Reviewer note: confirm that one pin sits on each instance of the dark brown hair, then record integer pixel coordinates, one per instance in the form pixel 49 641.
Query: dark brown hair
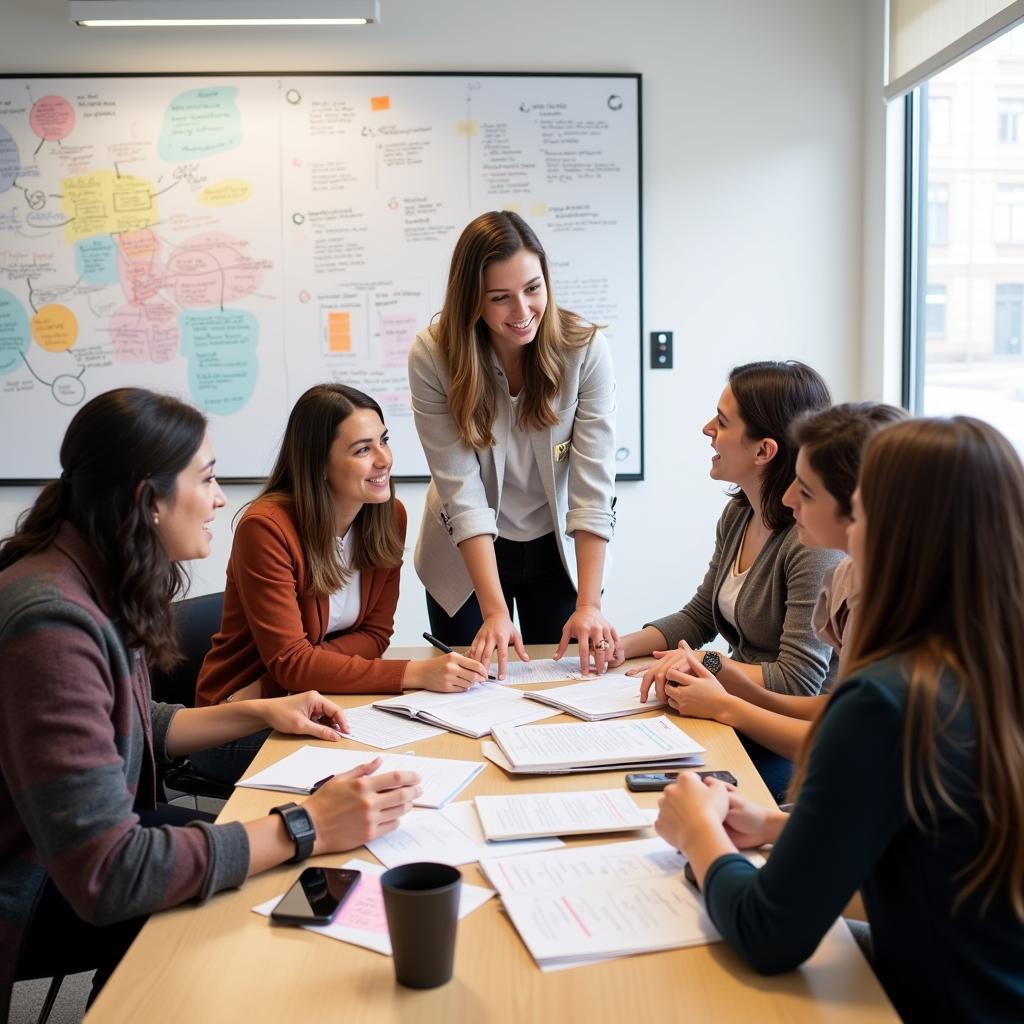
pixel 298 481
pixel 833 442
pixel 463 338
pixel 769 396
pixel 122 451
pixel 941 584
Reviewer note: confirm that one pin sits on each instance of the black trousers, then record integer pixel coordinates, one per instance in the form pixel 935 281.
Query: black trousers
pixel 60 942
pixel 534 583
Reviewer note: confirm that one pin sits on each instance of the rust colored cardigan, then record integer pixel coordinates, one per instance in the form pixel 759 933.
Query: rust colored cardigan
pixel 273 628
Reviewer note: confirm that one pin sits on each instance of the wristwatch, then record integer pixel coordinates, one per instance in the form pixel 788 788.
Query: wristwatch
pixel 299 826
pixel 712 662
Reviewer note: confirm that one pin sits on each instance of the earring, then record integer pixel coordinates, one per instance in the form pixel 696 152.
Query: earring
pixel 156 519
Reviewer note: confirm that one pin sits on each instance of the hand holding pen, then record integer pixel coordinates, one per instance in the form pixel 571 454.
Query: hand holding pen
pixel 462 662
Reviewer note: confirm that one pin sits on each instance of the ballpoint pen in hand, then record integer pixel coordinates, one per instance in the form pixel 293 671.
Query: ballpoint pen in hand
pixel 445 649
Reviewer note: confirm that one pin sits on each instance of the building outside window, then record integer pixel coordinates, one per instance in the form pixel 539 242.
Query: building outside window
pixel 967 339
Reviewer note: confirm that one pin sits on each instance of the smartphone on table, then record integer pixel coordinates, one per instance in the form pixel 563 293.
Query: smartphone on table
pixel 654 782
pixel 316 896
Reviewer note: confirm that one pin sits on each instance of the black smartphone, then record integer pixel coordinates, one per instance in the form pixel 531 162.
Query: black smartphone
pixel 654 782
pixel 315 896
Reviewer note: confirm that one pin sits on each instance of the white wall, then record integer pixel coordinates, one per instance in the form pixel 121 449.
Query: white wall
pixel 753 163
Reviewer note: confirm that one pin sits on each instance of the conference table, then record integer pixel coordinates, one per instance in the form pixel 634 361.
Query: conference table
pixel 219 961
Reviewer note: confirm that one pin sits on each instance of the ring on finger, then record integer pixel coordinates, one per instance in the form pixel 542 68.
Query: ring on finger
pixel 602 644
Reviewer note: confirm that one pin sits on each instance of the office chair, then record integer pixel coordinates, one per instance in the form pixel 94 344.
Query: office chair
pixel 197 619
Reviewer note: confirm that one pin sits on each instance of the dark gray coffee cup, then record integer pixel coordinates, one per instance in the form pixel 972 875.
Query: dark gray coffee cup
pixel 421 902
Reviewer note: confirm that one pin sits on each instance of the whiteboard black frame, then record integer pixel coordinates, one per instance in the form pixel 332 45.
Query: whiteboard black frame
pixel 636 76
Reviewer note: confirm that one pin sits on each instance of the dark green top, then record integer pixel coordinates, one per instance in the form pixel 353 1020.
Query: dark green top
pixel 851 829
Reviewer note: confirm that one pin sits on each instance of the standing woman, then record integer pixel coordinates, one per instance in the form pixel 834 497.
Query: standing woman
pixel 514 401
pixel 312 581
pixel 86 584
pixel 910 787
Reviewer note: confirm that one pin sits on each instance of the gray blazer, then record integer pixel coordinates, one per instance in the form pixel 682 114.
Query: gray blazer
pixel 774 608
pixel 576 459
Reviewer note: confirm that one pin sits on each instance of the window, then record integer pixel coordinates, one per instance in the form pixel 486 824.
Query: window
pixel 1011 119
pixel 938 120
pixel 935 311
pixel 1009 319
pixel 938 214
pixel 964 340
pixel 1008 220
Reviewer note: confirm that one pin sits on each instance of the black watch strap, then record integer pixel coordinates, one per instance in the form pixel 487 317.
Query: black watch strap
pixel 299 826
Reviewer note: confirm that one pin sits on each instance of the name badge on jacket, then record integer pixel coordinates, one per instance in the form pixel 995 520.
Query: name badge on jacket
pixel 560 452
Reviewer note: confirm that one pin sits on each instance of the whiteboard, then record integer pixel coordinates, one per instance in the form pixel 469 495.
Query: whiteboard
pixel 235 239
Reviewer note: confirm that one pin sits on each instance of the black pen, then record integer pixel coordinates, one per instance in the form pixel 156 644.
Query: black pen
pixel 445 649
pixel 321 782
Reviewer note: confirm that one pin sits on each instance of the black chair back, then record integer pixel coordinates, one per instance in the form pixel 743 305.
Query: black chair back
pixel 197 619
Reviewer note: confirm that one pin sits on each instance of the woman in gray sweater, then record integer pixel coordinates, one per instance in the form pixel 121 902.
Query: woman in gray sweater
pixel 761 585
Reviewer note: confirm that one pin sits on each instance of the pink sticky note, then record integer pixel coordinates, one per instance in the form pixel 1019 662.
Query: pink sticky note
pixel 364 909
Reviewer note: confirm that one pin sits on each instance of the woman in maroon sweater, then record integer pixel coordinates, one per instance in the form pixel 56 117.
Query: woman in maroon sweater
pixel 86 584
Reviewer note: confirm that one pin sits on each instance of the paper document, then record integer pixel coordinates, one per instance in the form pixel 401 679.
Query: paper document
pixel 472 713
pixel 597 699
pixel 379 729
pixel 579 744
pixel 580 905
pixel 494 753
pixel 559 814
pixel 451 835
pixel 442 778
pixel 361 919
pixel 546 670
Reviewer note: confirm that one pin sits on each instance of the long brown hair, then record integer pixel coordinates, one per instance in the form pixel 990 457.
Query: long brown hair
pixel 122 451
pixel 298 482
pixel 463 338
pixel 941 584
pixel 769 396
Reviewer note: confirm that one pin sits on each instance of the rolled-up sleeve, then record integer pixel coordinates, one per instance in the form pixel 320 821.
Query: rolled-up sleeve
pixel 592 448
pixel 454 467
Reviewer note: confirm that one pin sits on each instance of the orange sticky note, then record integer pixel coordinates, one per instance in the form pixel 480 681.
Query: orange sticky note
pixel 380 102
pixel 339 332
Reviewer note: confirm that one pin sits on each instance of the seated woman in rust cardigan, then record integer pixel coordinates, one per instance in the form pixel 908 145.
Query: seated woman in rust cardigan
pixel 312 581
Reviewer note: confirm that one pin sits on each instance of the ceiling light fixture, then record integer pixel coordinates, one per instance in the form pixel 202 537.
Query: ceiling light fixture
pixel 177 13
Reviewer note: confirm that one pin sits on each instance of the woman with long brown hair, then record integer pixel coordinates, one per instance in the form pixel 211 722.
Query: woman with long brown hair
pixel 911 784
pixel 514 401
pixel 86 584
pixel 312 581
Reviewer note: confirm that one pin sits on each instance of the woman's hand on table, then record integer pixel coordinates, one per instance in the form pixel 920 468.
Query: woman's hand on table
pixel 496 633
pixel 303 714
pixel 692 690
pixel 357 806
pixel 450 673
pixel 596 636
pixel 688 807
pixel 655 673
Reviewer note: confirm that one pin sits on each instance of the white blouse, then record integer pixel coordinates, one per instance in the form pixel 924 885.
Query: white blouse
pixel 344 603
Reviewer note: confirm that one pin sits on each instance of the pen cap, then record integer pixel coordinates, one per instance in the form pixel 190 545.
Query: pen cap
pixel 421 902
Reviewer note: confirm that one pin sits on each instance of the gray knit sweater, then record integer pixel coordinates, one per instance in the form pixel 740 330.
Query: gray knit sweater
pixel 773 610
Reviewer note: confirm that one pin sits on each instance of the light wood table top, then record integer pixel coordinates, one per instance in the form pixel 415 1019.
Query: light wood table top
pixel 220 962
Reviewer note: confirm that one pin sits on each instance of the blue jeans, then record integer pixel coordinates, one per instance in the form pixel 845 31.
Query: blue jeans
pixel 228 762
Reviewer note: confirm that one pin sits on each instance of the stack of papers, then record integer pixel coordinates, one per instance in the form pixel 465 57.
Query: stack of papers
pixel 441 778
pixel 598 699
pixel 593 746
pixel 451 835
pixel 558 814
pixel 543 670
pixel 473 713
pixel 362 920
pixel 578 906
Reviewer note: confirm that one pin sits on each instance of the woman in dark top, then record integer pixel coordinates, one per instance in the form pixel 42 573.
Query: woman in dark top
pixel 909 787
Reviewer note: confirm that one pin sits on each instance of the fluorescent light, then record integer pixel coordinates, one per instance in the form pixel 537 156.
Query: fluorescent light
pixel 178 13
